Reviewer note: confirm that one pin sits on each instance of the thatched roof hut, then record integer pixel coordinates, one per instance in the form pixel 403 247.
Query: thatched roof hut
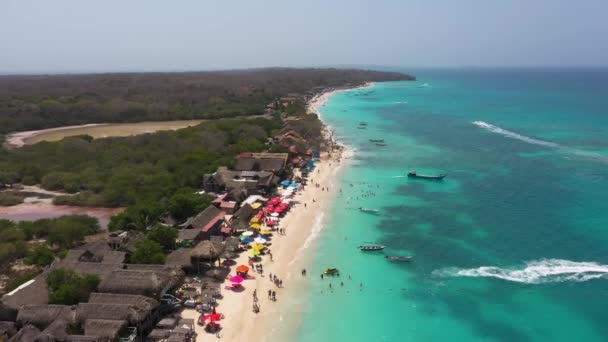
pixel 179 258
pixel 7 329
pixel 141 281
pixel 57 331
pixel 83 338
pixel 108 329
pixel 141 303
pixel 34 293
pixel 42 316
pixel 121 312
pixel 27 334
pixel 206 251
pixel 232 244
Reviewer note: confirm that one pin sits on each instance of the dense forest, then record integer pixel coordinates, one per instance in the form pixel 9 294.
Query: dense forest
pixel 37 102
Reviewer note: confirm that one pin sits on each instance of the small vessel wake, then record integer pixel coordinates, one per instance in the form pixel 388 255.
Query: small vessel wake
pixel 536 272
pixel 513 135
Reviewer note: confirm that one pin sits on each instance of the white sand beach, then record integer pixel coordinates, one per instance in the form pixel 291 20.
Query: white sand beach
pixel 291 254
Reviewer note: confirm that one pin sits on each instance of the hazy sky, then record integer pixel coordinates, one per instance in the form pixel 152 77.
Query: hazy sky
pixel 120 35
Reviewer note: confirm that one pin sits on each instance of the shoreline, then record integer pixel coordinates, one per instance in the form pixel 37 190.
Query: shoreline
pixel 280 321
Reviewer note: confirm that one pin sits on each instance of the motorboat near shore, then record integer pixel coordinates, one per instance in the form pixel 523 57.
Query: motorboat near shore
pixel 368 210
pixel 399 257
pixel 331 272
pixel 413 174
pixel 370 248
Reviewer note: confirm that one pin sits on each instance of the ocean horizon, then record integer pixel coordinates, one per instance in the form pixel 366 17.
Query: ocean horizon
pixel 509 247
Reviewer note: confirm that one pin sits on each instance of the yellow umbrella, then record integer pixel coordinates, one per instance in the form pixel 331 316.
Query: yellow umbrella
pixel 254 252
pixel 255 226
pixel 256 205
pixel 265 232
pixel 254 220
pixel 257 246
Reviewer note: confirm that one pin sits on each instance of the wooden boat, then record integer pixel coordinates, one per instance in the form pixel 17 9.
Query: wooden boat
pixel 361 127
pixel 399 257
pixel 380 144
pixel 413 174
pixel 368 210
pixel 371 248
pixel 362 123
pixel 331 272
pixel 376 140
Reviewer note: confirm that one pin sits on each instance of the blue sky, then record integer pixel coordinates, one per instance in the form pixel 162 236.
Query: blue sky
pixel 140 35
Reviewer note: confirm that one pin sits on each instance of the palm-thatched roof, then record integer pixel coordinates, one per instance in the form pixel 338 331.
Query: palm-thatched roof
pixel 218 273
pixel 43 315
pixel 7 329
pixel 232 243
pixel 109 329
pixel 179 258
pixel 126 312
pixel 35 293
pixel 27 334
pixel 83 338
pixel 143 304
pixel 57 331
pixel 206 250
pixel 140 282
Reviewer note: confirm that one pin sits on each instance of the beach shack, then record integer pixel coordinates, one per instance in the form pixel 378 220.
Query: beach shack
pixel 208 222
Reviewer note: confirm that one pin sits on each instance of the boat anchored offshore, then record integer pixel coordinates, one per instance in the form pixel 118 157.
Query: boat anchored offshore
pixel 331 272
pixel 371 248
pixel 368 210
pixel 399 258
pixel 413 174
pixel 380 144
pixel 376 140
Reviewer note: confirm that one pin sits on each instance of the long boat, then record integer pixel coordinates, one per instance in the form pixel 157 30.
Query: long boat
pixel 380 144
pixel 368 210
pixel 376 140
pixel 399 257
pixel 413 174
pixel 370 248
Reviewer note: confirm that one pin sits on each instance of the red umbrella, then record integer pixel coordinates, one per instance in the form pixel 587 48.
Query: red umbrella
pixel 259 215
pixel 270 223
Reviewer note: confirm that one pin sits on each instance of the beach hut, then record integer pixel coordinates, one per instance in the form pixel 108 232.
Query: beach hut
pixel 206 251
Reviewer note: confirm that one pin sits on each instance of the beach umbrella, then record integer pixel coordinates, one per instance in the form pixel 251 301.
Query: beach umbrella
pixel 270 223
pixel 247 240
pixel 257 246
pixel 255 226
pixel 236 279
pixel 260 240
pixel 294 185
pixel 254 252
pixel 256 205
pixel 242 269
pixel 211 318
pixel 254 220
pixel 285 183
pixel 248 233
pixel 309 153
pixel 274 215
pixel 266 232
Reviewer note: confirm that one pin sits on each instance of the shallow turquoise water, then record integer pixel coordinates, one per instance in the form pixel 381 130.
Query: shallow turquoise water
pixel 510 247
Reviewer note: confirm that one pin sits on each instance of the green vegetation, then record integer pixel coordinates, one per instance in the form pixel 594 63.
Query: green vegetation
pixel 148 252
pixel 164 235
pixel 40 255
pixel 117 172
pixel 69 288
pixel 185 204
pixel 36 102
pixel 62 232
pixel 17 279
pixel 8 199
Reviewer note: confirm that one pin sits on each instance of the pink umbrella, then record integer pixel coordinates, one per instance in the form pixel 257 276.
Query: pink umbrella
pixel 236 279
pixel 270 223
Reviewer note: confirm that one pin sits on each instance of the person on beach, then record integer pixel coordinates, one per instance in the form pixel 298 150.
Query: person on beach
pixel 255 295
pixel 303 272
pixel 269 294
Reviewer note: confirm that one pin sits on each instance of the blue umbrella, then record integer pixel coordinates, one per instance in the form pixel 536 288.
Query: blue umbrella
pixel 285 182
pixel 247 240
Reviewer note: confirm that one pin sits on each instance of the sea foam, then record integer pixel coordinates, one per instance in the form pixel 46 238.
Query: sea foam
pixel 536 272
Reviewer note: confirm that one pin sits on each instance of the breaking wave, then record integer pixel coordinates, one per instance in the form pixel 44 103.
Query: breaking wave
pixel 536 272
pixel 513 135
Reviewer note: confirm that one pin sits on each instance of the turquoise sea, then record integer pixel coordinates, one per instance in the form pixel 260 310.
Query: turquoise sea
pixel 511 246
